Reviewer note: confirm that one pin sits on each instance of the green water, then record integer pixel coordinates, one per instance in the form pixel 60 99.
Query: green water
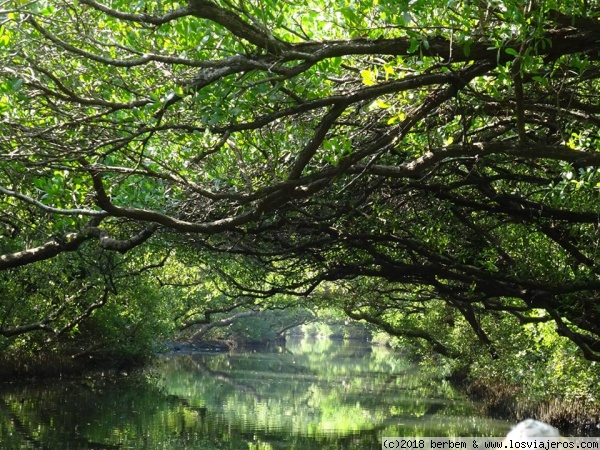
pixel 312 394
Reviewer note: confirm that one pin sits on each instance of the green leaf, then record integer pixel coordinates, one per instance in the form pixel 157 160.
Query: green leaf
pixel 414 45
pixel 467 47
pixel 369 77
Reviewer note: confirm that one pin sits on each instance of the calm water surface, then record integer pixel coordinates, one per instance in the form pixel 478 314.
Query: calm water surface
pixel 312 394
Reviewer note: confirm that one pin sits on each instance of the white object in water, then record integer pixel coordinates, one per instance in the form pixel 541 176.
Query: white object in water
pixel 532 428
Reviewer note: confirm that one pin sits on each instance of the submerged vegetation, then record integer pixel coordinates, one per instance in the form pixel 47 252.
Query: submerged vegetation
pixel 234 169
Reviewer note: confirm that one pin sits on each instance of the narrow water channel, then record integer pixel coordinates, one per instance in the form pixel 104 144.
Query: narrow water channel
pixel 310 394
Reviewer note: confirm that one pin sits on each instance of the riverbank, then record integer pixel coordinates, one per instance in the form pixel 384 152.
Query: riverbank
pixel 29 368
pixel 57 366
pixel 509 402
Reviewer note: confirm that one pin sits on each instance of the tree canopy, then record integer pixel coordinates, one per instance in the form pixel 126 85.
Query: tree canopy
pixel 432 161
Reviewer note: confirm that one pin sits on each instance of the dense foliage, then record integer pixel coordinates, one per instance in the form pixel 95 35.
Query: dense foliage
pixel 430 167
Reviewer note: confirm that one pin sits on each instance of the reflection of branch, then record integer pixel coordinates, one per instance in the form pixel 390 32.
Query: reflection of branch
pixel 224 377
pixel 23 431
pixel 28 434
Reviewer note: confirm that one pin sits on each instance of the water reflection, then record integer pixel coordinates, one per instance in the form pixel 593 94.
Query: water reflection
pixel 312 394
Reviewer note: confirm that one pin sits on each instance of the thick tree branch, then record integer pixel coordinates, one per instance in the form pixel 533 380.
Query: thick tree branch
pixel 139 18
pixel 438 347
pixel 260 37
pixel 50 209
pixel 201 332
pixel 207 314
pixel 72 241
